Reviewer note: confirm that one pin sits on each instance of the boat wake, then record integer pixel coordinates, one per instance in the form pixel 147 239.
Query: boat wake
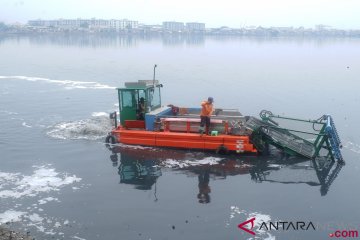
pixel 93 128
pixel 68 84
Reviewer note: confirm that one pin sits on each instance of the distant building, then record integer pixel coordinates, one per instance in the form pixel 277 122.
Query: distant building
pixel 322 27
pixel 174 26
pixel 41 23
pixel 195 27
pixel 123 24
pixel 95 24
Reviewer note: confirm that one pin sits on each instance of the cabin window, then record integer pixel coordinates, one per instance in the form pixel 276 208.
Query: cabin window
pixel 155 97
pixel 141 94
pixel 127 99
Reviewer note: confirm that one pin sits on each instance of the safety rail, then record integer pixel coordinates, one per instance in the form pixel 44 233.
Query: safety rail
pixel 189 124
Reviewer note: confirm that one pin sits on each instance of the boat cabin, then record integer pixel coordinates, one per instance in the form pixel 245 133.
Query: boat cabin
pixel 136 99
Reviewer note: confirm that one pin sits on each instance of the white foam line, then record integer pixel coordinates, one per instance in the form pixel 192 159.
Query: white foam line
pixel 171 163
pixel 8 112
pixel 76 237
pixel 69 84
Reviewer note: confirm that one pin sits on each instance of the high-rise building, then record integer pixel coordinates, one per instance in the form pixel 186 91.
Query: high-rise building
pixel 195 26
pixel 174 26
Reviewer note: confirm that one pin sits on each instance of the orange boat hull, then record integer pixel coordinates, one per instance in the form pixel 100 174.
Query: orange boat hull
pixel 240 144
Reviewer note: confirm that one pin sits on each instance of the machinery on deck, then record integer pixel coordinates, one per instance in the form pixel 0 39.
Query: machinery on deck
pixel 324 143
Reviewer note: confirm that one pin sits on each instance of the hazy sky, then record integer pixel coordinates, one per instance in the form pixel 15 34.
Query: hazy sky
pixel 232 13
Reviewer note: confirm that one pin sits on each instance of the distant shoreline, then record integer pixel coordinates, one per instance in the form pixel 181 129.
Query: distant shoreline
pixel 161 34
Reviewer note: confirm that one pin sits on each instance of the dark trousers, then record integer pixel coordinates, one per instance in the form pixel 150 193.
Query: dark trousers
pixel 205 121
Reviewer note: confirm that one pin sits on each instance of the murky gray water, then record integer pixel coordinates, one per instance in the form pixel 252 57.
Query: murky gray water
pixel 59 181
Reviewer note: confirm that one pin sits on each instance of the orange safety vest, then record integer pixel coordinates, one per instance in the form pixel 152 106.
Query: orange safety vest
pixel 207 108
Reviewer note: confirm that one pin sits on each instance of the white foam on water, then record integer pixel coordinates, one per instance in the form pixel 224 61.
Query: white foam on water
pixel 94 128
pixel 68 84
pixel 49 199
pixel 35 218
pixel 26 125
pixel 269 237
pixel 6 177
pixel 235 210
pixel 259 219
pixel 243 165
pixel 171 163
pixel 239 215
pixel 57 225
pixel 136 147
pixel 11 216
pixel 353 147
pixel 100 114
pixel 79 238
pixel 44 179
pixel 275 165
pixel 8 112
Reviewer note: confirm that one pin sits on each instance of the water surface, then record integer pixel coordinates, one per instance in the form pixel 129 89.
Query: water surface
pixel 59 180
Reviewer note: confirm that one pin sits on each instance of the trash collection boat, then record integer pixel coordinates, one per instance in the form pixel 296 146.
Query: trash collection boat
pixel 145 121
pixel 170 126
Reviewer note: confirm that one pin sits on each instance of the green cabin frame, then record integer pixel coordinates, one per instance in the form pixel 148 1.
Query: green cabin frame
pixel 130 95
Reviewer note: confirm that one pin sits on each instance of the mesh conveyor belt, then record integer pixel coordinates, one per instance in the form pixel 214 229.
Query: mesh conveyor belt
pixel 283 138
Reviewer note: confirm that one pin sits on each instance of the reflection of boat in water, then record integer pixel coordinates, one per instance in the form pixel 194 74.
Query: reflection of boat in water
pixel 145 121
pixel 326 173
pixel 142 174
pixel 141 167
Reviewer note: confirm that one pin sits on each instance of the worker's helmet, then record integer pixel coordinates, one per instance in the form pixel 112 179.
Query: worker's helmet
pixel 210 99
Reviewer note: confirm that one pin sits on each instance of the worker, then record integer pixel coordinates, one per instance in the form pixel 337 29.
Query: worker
pixel 207 109
pixel 141 109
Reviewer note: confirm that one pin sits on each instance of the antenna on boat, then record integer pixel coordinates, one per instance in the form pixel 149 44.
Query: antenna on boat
pixel 154 75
